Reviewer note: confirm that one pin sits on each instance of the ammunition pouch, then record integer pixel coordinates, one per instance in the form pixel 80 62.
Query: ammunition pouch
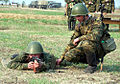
pixel 108 44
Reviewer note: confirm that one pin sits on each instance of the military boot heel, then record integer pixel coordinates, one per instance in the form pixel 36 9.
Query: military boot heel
pixel 90 69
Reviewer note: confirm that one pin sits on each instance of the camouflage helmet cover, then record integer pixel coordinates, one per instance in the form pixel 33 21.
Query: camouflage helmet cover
pixel 34 48
pixel 79 9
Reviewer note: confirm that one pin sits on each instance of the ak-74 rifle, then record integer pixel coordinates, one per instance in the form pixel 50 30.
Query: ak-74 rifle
pixel 33 59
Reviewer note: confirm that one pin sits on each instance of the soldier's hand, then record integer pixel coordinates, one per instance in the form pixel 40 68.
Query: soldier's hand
pixel 58 61
pixel 75 42
pixel 30 65
pixel 90 2
pixel 104 13
pixel 36 64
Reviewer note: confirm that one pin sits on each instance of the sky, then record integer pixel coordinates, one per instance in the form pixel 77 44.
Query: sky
pixel 117 2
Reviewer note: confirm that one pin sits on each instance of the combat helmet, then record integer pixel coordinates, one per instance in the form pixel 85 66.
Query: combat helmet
pixel 79 9
pixel 34 48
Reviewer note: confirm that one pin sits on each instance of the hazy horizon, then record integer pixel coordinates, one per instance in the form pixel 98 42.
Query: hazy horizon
pixel 117 2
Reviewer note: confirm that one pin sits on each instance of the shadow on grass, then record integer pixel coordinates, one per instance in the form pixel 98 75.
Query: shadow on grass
pixel 4 28
pixel 110 68
pixel 106 68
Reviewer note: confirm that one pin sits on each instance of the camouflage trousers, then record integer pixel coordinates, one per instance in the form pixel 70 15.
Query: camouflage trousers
pixel 85 52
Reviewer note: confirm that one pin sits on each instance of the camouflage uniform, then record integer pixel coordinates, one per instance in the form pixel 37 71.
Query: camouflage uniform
pixel 109 7
pixel 21 61
pixel 71 20
pixel 91 5
pixel 89 50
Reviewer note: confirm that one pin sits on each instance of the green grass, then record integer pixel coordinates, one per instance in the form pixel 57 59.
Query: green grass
pixel 15 34
pixel 22 31
pixel 41 81
pixel 115 35
pixel 31 21
pixel 27 11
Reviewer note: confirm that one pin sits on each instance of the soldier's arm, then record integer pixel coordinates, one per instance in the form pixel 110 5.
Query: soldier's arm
pixel 49 63
pixel 75 35
pixel 18 62
pixel 95 34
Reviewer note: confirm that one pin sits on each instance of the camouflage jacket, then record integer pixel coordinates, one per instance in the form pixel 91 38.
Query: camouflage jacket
pixel 91 5
pixel 76 1
pixel 21 62
pixel 108 5
pixel 91 30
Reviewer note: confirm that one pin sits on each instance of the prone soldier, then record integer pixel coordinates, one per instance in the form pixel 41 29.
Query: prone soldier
pixel 34 58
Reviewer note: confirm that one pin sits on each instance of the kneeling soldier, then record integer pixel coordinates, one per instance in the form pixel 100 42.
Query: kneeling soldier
pixel 85 44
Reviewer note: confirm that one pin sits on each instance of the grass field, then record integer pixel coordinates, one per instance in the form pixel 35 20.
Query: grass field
pixel 15 34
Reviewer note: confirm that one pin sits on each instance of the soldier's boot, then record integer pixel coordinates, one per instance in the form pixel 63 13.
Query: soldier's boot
pixel 90 69
pixel 91 60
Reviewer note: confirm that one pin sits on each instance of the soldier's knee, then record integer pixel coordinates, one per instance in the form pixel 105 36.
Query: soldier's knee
pixel 85 43
pixel 68 57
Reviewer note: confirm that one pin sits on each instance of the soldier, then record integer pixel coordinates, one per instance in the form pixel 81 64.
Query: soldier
pixel 109 7
pixel 71 20
pixel 91 5
pixel 85 44
pixel 42 61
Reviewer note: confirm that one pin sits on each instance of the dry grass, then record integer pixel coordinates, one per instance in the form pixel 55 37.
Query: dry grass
pixel 30 16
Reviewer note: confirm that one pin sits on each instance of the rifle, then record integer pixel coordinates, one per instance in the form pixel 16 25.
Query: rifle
pixel 38 60
pixel 66 50
pixel 101 8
